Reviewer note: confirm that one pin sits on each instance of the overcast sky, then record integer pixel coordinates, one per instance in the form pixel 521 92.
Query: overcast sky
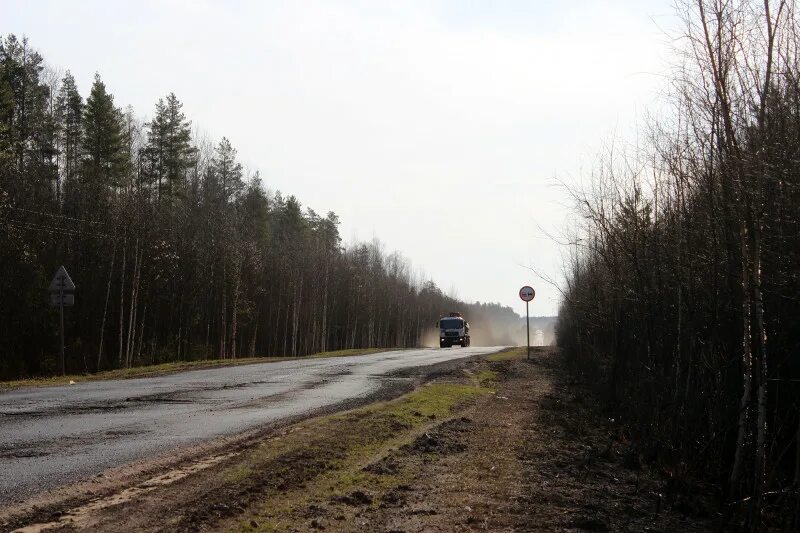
pixel 439 127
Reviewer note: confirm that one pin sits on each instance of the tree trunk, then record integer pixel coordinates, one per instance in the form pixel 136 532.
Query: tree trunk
pixel 133 303
pixel 235 310
pixel 105 306
pixel 122 301
pixel 324 327
pixel 223 313
pixel 298 296
pixel 286 326
pixel 747 374
pixel 141 333
pixel 797 476
pixel 760 370
pixel 252 351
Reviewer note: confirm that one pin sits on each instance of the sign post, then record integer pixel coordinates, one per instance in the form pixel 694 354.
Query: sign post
pixel 527 294
pixel 62 283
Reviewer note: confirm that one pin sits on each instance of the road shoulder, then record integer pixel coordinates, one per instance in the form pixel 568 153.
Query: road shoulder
pixel 534 452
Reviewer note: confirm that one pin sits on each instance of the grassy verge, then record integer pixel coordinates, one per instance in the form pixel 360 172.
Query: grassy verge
pixel 167 368
pixel 352 351
pixel 520 352
pixel 328 458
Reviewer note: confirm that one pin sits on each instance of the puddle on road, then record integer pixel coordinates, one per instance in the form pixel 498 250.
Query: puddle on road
pixel 42 448
pixel 182 396
pixel 9 452
pixel 68 410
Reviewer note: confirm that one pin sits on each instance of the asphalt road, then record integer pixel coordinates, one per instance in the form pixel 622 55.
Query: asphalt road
pixel 51 436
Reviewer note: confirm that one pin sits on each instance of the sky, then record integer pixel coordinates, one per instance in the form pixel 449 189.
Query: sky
pixel 444 128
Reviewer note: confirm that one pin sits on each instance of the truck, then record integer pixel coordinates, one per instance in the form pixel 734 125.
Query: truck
pixel 453 329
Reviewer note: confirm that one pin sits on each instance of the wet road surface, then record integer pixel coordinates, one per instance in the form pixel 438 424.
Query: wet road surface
pixel 52 436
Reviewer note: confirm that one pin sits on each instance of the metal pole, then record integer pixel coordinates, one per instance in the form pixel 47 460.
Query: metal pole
pixel 528 328
pixel 61 307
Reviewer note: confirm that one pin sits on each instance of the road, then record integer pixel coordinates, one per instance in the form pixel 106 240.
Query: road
pixel 51 436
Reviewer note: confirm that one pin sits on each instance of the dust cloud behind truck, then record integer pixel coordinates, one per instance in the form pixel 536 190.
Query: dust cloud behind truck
pixel 453 329
pixel 492 324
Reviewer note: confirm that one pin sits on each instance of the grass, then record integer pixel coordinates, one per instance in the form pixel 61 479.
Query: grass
pixel 520 352
pixel 168 368
pixel 430 402
pixel 487 378
pixel 352 351
pixel 237 474
pixel 325 458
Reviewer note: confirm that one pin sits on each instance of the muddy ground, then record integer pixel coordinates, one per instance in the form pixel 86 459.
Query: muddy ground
pixel 502 444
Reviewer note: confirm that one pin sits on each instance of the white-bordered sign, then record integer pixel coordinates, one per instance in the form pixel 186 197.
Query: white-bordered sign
pixel 527 293
pixel 62 281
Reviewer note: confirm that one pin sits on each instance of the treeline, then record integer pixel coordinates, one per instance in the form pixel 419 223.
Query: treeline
pixel 176 252
pixel 684 289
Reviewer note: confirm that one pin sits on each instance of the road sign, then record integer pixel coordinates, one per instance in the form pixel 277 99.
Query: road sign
pixel 527 293
pixel 57 299
pixel 62 281
pixel 61 296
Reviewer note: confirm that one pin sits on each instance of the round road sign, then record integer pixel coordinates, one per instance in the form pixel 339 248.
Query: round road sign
pixel 527 293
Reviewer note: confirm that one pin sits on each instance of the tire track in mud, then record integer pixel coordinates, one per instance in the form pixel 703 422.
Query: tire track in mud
pixel 79 517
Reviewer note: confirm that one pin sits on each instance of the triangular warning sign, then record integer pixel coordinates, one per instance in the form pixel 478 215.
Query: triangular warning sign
pixel 62 281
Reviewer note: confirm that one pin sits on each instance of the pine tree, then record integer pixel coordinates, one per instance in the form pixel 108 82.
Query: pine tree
pixel 153 152
pixel 26 128
pixel 104 161
pixel 69 112
pixel 179 152
pixel 226 171
pixel 169 153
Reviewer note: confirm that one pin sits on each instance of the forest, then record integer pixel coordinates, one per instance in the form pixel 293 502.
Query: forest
pixel 683 285
pixel 176 251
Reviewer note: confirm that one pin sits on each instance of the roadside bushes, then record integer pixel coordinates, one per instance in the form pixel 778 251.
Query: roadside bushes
pixel 683 289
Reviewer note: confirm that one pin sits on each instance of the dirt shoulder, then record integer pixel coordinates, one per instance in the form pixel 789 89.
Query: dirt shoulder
pixel 500 444
pixel 535 453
